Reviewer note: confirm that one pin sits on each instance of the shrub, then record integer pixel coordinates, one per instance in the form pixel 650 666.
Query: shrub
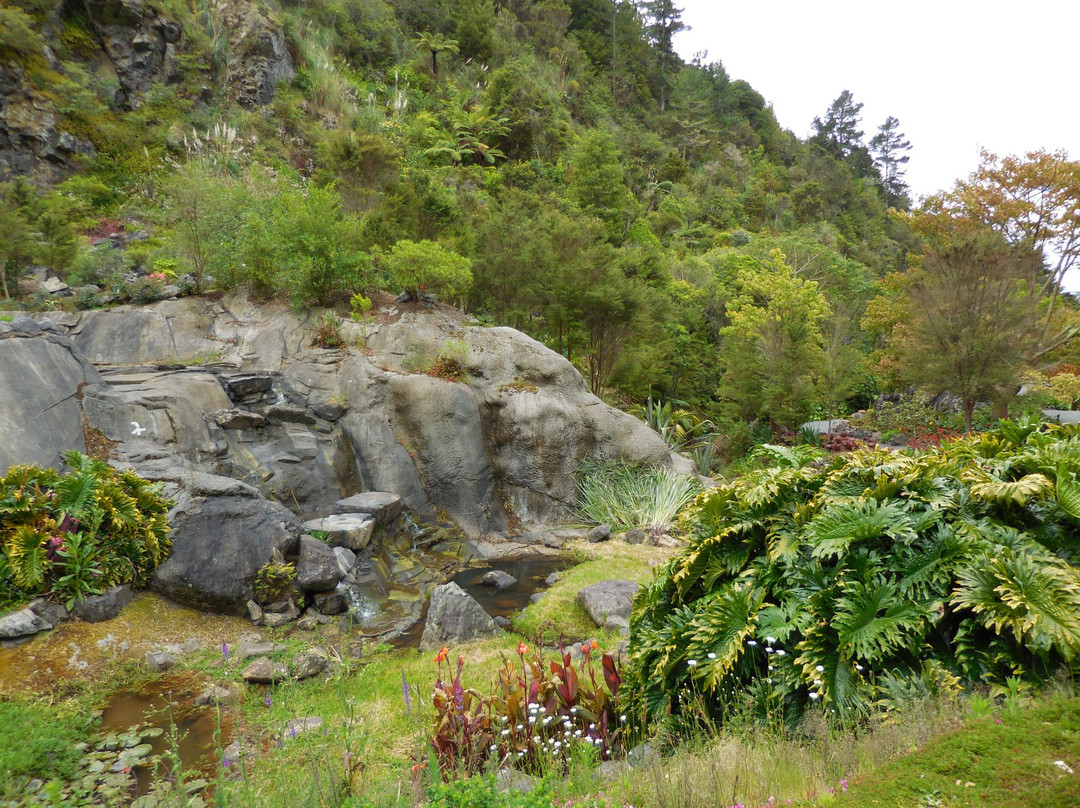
pixel 804 584
pixel 484 792
pixel 538 712
pixel 274 581
pixel 77 534
pixel 628 496
pixel 424 266
pixel 328 332
pixel 450 363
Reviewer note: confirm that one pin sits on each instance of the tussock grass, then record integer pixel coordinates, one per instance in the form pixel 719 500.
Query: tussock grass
pixel 750 764
pixel 630 496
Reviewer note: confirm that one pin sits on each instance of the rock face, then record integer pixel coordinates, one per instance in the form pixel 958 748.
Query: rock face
pixel 455 617
pixel 329 434
pixel 258 44
pixel 140 43
pixel 42 374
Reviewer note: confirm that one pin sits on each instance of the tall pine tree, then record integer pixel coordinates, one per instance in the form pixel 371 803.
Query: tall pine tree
pixel 888 147
pixel 662 21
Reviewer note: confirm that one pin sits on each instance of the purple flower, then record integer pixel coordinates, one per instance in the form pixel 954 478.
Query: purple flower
pixel 843 784
pixel 226 763
pixel 292 731
pixel 405 693
pixel 269 701
pixel 225 651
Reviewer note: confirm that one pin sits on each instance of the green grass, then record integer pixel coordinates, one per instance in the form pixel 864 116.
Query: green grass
pixel 986 764
pixel 38 741
pixel 558 616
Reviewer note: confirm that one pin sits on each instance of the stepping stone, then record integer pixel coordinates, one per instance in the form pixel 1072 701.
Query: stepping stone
pixel 383 506
pixel 352 530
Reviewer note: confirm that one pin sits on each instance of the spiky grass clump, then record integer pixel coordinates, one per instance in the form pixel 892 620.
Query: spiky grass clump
pixel 633 496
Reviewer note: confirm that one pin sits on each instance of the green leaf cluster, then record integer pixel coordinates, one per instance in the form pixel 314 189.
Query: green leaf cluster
pixel 840 584
pixel 76 534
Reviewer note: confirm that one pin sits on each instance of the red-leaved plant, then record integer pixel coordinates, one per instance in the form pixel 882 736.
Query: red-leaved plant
pixel 537 713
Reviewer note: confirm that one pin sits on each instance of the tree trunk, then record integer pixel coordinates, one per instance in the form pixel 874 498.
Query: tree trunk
pixel 969 408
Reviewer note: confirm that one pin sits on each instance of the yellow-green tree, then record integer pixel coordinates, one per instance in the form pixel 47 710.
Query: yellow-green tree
pixel 772 345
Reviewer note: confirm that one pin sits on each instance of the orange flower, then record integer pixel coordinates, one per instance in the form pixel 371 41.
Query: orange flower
pixel 523 649
pixel 442 656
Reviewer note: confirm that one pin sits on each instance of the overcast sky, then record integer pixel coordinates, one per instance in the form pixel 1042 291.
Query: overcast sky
pixel 957 74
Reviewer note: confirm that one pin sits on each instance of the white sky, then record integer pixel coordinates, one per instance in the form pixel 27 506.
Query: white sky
pixel 957 74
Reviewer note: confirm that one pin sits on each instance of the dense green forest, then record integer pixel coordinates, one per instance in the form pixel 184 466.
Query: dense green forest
pixel 552 165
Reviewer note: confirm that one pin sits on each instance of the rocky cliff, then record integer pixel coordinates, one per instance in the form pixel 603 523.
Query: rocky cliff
pixel 231 399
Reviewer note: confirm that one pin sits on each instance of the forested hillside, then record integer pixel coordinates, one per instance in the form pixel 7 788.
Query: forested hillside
pixel 549 165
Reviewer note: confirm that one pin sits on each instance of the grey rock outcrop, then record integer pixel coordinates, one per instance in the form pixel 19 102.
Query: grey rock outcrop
pixel 42 375
pixel 455 617
pixel 332 427
pixel 219 544
pixel 608 600
pixel 258 43
pixel 139 42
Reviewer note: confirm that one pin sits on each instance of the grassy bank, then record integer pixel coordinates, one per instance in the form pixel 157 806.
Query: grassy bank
pixel 948 751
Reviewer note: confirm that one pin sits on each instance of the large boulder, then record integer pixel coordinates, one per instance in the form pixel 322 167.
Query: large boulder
pixel 455 617
pixel 219 544
pixel 22 623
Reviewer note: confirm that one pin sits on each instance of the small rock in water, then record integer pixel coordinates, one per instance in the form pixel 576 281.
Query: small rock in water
pixel 332 602
pixel 498 579
pixel 552 579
